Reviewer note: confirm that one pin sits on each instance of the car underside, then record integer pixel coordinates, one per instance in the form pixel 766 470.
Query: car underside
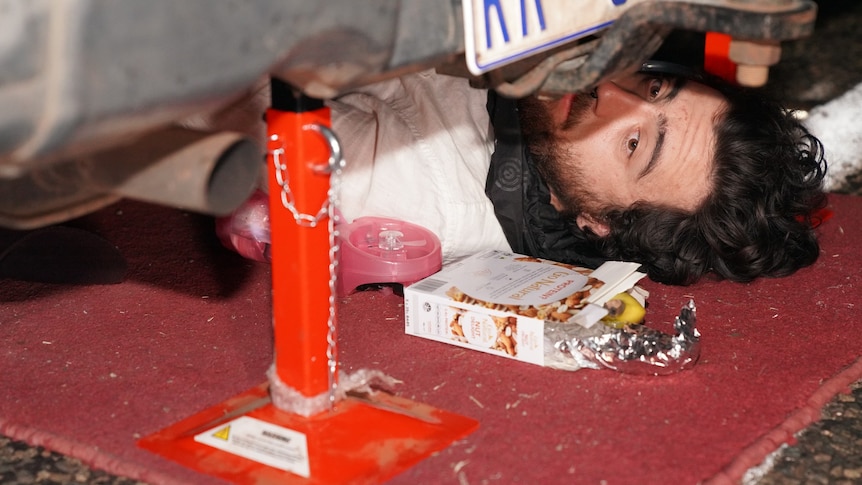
pixel 95 93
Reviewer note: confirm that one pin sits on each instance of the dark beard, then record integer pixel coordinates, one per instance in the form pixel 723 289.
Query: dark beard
pixel 580 105
pixel 534 117
pixel 559 169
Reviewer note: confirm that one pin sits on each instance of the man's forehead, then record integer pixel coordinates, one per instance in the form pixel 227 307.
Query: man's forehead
pixel 691 138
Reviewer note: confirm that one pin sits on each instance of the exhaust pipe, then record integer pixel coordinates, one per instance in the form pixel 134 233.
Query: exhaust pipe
pixel 211 173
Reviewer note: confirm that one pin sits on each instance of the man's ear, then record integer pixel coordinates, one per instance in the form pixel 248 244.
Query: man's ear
pixel 599 227
pixel 556 202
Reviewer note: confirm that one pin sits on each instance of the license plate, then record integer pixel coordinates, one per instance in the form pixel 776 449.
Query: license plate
pixel 499 32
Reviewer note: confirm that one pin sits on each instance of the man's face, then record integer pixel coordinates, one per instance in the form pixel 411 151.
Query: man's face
pixel 636 139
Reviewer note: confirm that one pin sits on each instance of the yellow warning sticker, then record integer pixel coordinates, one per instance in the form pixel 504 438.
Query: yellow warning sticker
pixel 260 441
pixel 222 434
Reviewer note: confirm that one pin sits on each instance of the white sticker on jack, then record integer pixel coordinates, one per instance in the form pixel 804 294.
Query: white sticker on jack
pixel 263 442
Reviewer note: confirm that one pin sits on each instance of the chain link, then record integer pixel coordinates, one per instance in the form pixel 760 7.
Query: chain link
pixel 328 208
pixel 331 334
pixel 287 198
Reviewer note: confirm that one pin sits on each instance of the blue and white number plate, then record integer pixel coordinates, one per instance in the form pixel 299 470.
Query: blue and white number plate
pixel 499 32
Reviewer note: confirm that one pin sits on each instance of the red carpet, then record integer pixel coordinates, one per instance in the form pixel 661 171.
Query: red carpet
pixel 87 370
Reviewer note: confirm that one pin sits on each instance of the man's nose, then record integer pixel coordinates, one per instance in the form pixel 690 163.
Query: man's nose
pixel 614 101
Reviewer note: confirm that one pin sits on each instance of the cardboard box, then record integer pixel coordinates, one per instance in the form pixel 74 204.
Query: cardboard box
pixel 512 305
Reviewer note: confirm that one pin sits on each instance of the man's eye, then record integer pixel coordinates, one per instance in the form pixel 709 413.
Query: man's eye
pixel 632 144
pixel 654 88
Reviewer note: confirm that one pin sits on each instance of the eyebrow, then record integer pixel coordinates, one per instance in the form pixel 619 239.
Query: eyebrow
pixel 676 87
pixel 657 149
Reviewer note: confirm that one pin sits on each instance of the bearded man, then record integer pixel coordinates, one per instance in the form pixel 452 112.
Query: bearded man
pixel 678 171
pixel 685 174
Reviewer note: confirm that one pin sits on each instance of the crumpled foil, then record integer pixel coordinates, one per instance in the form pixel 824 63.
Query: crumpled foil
pixel 634 349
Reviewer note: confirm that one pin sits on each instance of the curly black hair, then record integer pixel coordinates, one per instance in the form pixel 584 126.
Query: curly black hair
pixel 758 220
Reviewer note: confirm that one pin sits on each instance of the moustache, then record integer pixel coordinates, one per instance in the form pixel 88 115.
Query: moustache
pixel 581 104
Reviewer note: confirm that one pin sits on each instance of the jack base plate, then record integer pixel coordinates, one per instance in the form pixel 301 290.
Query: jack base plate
pixel 361 440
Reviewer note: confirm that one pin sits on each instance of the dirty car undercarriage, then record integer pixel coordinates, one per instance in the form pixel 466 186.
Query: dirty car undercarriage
pixel 88 86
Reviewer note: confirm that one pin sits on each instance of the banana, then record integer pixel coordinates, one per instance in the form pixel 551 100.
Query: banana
pixel 623 310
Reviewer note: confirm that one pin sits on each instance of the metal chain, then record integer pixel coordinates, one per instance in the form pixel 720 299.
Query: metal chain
pixel 334 247
pixel 328 208
pixel 287 199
